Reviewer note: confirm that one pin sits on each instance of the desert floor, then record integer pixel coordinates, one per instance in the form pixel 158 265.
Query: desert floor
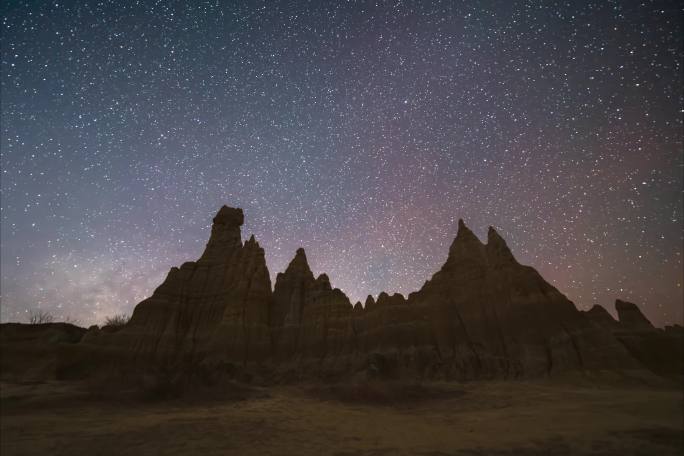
pixel 488 418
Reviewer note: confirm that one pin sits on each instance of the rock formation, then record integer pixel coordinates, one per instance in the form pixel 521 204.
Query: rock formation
pixel 631 317
pixel 309 317
pixel 214 309
pixel 29 351
pixel 485 315
pixel 482 315
pixel 661 350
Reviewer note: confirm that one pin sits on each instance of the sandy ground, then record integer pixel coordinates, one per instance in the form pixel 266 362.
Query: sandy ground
pixel 496 418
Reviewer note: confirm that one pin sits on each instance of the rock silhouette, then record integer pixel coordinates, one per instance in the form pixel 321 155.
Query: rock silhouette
pixel 29 352
pixel 213 309
pixel 309 317
pixel 631 317
pixel 482 315
pixel 661 350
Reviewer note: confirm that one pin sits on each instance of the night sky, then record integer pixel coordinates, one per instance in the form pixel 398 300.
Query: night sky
pixel 361 131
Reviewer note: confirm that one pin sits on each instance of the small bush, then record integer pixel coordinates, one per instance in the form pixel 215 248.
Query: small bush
pixel 117 321
pixel 39 317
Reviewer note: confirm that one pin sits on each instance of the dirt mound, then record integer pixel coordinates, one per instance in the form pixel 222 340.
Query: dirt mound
pixel 28 352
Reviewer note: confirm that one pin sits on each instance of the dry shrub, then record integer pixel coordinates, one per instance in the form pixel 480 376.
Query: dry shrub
pixel 39 317
pixel 116 322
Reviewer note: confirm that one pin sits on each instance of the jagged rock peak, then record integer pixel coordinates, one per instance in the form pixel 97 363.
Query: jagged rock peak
pixel 601 316
pixel 497 249
pixel 225 235
pixel 493 237
pixel 299 264
pixel 324 281
pixel 466 245
pixel 630 316
pixel 462 230
pixel 370 302
pixel 597 309
pixel 251 242
pixel 230 216
pixel 464 234
pixel 385 299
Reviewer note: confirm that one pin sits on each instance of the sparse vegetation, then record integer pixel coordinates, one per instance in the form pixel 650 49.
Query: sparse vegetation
pixel 39 317
pixel 117 321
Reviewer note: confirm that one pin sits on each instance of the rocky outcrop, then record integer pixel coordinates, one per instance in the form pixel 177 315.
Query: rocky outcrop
pixel 482 315
pixel 310 319
pixel 600 316
pixel 631 317
pixel 485 315
pixel 29 351
pixel 660 350
pixel 212 310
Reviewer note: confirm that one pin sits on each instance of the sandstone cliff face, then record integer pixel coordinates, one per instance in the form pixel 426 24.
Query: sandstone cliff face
pixel 482 315
pixel 216 307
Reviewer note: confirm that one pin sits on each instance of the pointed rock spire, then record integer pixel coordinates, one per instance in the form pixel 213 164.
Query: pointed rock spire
pixel 466 246
pixel 370 302
pixel 252 243
pixel 225 235
pixel 497 249
pixel 630 316
pixel 290 289
pixel 600 315
pixel 323 281
pixel 323 277
pixel 229 216
pixel 383 299
pixel 465 235
pixel 299 266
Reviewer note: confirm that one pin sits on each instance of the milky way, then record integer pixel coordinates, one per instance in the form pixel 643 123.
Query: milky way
pixel 359 131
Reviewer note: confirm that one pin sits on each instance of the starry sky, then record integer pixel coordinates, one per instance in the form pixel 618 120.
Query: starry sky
pixel 361 131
